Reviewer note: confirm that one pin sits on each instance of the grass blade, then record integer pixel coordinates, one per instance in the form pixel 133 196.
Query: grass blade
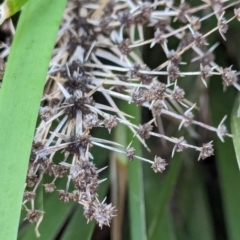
pixel 194 207
pixel 164 199
pixel 20 97
pixel 135 182
pixel 235 127
pixel 226 160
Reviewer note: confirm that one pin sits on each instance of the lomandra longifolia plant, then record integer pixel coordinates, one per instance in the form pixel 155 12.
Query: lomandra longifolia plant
pixel 98 53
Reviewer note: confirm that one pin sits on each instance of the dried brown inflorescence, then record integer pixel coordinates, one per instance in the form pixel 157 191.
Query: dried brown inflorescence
pixel 96 60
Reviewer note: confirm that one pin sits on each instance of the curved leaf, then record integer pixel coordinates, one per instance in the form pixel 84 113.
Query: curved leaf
pixel 19 102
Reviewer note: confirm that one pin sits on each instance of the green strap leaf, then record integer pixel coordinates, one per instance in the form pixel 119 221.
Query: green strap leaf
pixel 19 102
pixel 135 183
pixel 235 127
pixel 225 158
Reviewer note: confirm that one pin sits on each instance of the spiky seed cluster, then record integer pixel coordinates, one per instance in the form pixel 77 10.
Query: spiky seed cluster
pixel 124 47
pixel 103 213
pixel 110 122
pixel 64 196
pixel 144 130
pixel 178 94
pixel 85 178
pixel 97 60
pixel 136 73
pixel 228 76
pixel 130 153
pixel 206 150
pixel 33 216
pixel 159 165
pixel 29 196
pixel 49 187
pixel 78 104
pixel 78 144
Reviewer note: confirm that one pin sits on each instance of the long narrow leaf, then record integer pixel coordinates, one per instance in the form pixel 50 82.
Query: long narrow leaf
pixel 235 127
pixel 135 182
pixel 163 202
pixel 19 102
pixel 226 160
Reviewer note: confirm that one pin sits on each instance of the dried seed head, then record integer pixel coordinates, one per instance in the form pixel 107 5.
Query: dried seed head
pixel 144 130
pixel 89 211
pixel 228 76
pixel 186 40
pixel 157 108
pixel 46 113
pixel 158 91
pixel 130 153
pixel 79 144
pixel 59 171
pixel 207 58
pixel 75 195
pixel 33 216
pixel 237 13
pixel 174 58
pixel 159 37
pixel 140 96
pixel 64 196
pixel 32 179
pixel 78 81
pixel 195 23
pixel 49 187
pixel 29 196
pixel 206 150
pixel 54 102
pixel 188 118
pixel 74 70
pixel 143 14
pixel 180 144
pixel 103 213
pixel 124 47
pixel 162 24
pixel 222 130
pixel 36 146
pixel 159 164
pixel 85 178
pixel 206 72
pixel 173 73
pixel 144 78
pixel 91 120
pixel 125 18
pixel 217 6
pixel 48 168
pixel 199 39
pixel 110 122
pixel 182 12
pixel 178 94
pixel 222 26
pixel 105 24
pixel 78 105
pixel 85 198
